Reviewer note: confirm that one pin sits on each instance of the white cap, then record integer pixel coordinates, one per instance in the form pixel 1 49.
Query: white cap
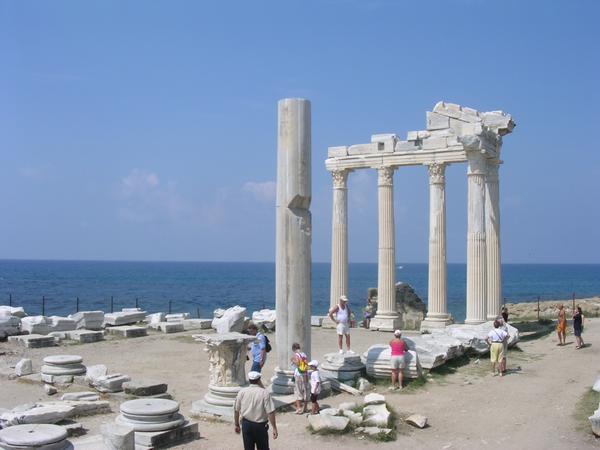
pixel 343 298
pixel 314 363
pixel 397 333
pixel 253 375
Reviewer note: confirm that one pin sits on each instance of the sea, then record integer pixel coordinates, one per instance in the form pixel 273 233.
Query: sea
pixel 63 287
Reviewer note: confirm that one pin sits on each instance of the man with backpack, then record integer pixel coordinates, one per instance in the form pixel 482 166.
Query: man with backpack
pixel 259 348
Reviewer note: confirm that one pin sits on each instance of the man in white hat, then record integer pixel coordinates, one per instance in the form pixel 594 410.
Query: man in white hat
pixel 256 409
pixel 342 319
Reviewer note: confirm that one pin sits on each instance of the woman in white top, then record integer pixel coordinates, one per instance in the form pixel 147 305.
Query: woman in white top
pixel 342 319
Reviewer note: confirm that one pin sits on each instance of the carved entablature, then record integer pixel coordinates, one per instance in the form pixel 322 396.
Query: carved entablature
pixel 437 173
pixel 452 132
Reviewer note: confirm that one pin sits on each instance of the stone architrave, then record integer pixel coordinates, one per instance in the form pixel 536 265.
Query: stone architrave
pixel 492 239
pixel 476 240
pixel 227 372
pixel 437 314
pixel 293 236
pixel 387 317
pixel 339 241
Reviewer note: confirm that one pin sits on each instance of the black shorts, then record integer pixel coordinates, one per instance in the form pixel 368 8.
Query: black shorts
pixel 313 398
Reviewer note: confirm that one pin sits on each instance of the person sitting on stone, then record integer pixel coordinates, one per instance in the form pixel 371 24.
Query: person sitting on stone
pixel 342 319
pixel 300 368
pixel 258 349
pixel 398 348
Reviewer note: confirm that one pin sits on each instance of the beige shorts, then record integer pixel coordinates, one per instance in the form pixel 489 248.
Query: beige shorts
pixel 397 362
pixel 301 391
pixel 342 329
pixel 496 352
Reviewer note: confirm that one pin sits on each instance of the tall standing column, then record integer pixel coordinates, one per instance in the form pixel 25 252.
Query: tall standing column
pixel 293 236
pixel 386 318
pixel 339 237
pixel 437 305
pixel 492 238
pixel 476 245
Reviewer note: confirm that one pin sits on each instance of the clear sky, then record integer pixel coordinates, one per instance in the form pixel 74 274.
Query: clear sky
pixel 146 130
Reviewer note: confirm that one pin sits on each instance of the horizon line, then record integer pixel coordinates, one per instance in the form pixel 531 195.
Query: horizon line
pixel 253 262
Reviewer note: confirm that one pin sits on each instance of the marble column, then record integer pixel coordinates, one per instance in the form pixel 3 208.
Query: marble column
pixel 387 317
pixel 476 245
pixel 339 242
pixel 293 236
pixel 437 305
pixel 492 239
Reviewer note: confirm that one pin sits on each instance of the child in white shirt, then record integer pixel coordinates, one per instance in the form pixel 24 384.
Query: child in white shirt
pixel 315 386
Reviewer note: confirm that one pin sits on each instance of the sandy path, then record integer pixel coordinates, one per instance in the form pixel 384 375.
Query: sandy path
pixel 530 408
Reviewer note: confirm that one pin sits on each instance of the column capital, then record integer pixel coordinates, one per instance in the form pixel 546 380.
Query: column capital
pixel 437 173
pixel 385 176
pixel 477 163
pixel 340 177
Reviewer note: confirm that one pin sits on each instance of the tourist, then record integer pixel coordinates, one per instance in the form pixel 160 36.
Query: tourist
pixel 561 328
pixel 342 319
pixel 315 386
pixel 258 349
pixel 504 326
pixel 256 409
pixel 300 368
pixel 495 339
pixel 578 327
pixel 398 348
pixel 368 313
pixel 505 314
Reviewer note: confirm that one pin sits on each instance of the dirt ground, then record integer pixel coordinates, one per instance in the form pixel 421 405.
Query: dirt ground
pixel 531 407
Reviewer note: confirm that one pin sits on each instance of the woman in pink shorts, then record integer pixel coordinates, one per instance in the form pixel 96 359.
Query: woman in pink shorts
pixel 398 348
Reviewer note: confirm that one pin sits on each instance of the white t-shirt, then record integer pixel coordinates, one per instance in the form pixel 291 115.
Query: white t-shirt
pixel 315 378
pixel 497 335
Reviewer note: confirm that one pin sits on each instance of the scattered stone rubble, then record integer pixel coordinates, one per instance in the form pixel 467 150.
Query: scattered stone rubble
pixel 229 320
pixel 265 318
pixel 127 316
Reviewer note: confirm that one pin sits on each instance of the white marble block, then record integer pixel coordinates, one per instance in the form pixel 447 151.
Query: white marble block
pixel 229 320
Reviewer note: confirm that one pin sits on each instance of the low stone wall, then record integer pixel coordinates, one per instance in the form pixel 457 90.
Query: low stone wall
pixel 549 309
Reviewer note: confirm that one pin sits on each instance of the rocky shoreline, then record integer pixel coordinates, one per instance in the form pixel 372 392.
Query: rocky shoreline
pixel 548 309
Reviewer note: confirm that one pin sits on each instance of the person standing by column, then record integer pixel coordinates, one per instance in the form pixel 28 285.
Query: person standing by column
pixel 398 348
pixel 255 407
pixel 258 349
pixel 342 320
pixel 300 367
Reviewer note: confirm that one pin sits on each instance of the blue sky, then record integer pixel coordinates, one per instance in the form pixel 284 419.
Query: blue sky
pixel 147 130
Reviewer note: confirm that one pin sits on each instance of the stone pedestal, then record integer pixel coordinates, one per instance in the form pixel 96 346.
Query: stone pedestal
pixel 34 436
pixel 437 305
pixel 227 361
pixel 476 245
pixel 293 231
pixel 344 367
pixel 387 317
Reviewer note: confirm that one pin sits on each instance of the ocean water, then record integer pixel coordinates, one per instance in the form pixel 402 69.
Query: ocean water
pixel 200 287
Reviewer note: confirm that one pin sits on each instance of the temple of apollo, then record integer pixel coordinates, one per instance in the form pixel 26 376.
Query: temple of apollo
pixel 453 135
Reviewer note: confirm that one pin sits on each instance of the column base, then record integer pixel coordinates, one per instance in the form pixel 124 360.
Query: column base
pixel 474 321
pixel 328 323
pixel 435 323
pixel 385 323
pixel 282 382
